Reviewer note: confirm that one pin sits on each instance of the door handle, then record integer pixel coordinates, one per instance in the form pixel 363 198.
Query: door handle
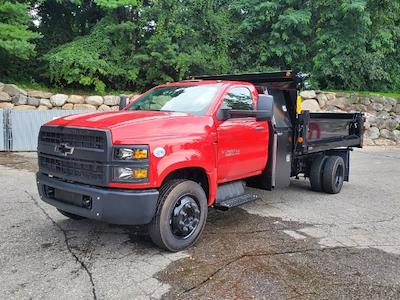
pixel 259 128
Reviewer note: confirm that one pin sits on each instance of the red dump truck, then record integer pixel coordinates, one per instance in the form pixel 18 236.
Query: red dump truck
pixel 184 147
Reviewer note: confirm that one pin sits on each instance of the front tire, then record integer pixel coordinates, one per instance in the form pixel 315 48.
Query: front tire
pixel 181 215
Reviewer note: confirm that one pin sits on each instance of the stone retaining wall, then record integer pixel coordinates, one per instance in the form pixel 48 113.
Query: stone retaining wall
pixel 382 113
pixel 382 126
pixel 13 97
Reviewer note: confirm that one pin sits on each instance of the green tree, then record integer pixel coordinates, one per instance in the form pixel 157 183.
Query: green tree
pixel 383 51
pixel 131 44
pixel 97 56
pixel 15 36
pixel 272 34
pixel 62 21
pixel 166 41
pixel 184 38
pixel 16 39
pixel 355 44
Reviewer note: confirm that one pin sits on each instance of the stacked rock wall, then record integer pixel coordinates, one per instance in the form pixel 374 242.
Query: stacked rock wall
pixel 13 97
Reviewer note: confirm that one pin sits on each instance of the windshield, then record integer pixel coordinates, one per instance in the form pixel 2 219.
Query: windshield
pixel 189 99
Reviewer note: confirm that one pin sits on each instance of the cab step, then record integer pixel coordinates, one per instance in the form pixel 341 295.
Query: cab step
pixel 235 201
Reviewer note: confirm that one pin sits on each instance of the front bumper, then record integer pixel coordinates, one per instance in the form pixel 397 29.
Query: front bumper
pixel 115 206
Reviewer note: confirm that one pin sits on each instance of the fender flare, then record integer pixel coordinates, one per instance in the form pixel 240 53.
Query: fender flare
pixel 210 174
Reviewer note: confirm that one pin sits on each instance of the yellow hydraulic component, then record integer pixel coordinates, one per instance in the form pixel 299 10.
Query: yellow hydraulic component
pixel 298 104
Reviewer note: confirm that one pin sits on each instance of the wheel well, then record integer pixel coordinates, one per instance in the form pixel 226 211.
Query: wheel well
pixel 198 175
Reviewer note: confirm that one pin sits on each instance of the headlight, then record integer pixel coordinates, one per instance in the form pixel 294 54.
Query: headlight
pixel 131 153
pixel 130 174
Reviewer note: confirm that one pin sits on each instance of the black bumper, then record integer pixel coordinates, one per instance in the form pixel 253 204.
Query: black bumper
pixel 115 206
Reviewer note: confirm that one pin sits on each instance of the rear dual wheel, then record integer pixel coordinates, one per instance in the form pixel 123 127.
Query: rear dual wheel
pixel 327 174
pixel 317 168
pixel 333 175
pixel 181 215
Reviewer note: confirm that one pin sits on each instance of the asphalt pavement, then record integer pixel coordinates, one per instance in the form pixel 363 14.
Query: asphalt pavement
pixel 292 243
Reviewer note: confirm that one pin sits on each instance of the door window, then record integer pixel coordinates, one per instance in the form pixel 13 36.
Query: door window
pixel 238 98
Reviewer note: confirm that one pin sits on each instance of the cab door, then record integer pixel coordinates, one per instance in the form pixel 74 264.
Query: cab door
pixel 242 143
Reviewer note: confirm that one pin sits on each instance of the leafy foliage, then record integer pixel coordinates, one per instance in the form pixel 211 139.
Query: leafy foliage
pixel 15 36
pixel 353 44
pixel 125 50
pixel 16 40
pixel 89 60
pixel 132 44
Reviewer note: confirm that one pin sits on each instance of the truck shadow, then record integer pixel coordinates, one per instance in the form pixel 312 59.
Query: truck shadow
pixel 138 238
pixel 244 256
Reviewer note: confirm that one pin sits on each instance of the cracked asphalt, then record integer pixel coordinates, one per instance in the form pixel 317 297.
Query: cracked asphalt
pixel 292 243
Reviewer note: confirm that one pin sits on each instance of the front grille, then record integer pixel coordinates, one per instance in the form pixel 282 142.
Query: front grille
pixel 74 154
pixel 79 138
pixel 72 169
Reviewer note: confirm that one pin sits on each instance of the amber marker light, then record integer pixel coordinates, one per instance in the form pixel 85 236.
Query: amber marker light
pixel 140 154
pixel 140 173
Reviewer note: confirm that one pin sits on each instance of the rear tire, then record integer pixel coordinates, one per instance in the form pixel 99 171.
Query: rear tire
pixel 71 216
pixel 333 175
pixel 317 167
pixel 181 215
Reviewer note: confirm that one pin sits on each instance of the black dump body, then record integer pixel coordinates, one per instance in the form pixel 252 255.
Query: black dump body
pixel 297 136
pixel 326 131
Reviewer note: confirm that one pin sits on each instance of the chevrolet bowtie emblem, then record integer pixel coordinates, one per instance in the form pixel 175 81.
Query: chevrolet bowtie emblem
pixel 64 149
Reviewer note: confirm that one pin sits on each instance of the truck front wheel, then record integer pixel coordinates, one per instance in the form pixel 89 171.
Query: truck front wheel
pixel 181 215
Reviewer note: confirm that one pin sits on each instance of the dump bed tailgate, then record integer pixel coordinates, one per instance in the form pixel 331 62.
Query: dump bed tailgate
pixel 324 131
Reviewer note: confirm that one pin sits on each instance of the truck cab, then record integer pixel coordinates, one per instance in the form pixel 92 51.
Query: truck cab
pixel 183 147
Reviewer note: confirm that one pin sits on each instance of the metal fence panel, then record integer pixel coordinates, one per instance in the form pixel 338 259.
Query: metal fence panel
pixel 2 130
pixel 25 126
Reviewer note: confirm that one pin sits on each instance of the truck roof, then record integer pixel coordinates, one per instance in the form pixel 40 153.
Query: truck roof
pixel 205 82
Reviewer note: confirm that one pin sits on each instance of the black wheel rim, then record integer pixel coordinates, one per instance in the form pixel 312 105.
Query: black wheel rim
pixel 339 176
pixel 185 217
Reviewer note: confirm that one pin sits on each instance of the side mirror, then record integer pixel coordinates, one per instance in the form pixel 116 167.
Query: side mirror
pixel 123 102
pixel 265 107
pixel 224 114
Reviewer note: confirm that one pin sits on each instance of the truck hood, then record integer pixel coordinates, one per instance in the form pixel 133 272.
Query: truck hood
pixel 132 127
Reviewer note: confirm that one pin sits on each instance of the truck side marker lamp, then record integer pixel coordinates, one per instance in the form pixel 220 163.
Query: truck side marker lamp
pixel 159 152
